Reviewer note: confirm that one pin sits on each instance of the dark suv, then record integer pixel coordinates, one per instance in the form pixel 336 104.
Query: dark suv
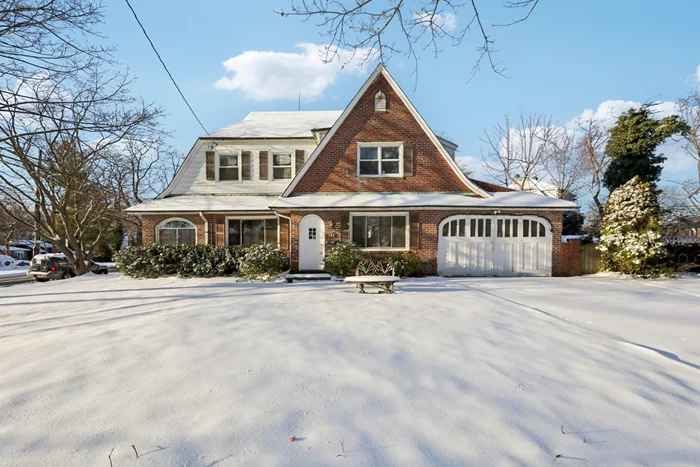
pixel 47 267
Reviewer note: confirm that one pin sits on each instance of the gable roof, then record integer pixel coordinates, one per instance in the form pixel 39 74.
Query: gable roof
pixel 381 70
pixel 293 124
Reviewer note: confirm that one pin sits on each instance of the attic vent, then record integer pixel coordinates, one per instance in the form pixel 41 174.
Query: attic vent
pixel 380 101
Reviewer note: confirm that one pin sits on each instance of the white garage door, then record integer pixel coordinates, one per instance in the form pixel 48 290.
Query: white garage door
pixel 495 246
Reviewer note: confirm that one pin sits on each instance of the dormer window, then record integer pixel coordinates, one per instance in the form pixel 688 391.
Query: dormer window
pixel 228 166
pixel 379 102
pixel 281 166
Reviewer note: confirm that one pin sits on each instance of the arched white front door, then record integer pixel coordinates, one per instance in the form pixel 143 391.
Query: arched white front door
pixel 312 246
pixel 473 245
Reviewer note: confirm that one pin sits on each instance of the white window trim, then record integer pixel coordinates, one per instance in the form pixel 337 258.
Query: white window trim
pixel 217 164
pixel 379 109
pixel 383 214
pixel 395 144
pixel 272 167
pixel 252 218
pixel 162 223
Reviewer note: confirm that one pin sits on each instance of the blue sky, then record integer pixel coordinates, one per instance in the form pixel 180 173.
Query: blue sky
pixel 570 56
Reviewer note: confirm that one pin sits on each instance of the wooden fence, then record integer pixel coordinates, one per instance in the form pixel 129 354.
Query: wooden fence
pixel 591 261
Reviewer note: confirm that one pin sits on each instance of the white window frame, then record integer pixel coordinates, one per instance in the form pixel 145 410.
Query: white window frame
pixel 393 144
pixel 251 218
pixel 376 96
pixel 162 223
pixel 217 164
pixel 271 164
pixel 383 214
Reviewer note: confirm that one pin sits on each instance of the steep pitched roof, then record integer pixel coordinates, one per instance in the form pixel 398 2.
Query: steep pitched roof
pixel 294 124
pixel 381 70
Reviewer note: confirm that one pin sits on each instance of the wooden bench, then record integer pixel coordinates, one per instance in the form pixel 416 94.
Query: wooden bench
pixel 378 274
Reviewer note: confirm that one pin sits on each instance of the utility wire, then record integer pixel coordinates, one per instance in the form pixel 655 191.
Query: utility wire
pixel 166 68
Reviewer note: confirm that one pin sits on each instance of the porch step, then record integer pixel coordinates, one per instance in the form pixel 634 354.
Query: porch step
pixel 308 277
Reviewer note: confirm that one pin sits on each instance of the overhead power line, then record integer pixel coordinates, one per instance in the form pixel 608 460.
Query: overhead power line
pixel 165 67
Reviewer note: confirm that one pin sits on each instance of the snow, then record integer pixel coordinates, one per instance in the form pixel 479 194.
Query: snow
pixel 16 268
pixel 209 203
pixel 294 124
pixel 510 199
pixel 460 371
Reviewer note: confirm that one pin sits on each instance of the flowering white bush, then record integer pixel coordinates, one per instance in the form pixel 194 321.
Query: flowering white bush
pixel 631 236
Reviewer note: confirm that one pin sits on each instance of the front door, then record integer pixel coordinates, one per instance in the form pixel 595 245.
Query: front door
pixel 311 244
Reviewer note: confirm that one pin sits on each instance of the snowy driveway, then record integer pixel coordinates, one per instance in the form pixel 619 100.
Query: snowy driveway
pixel 448 372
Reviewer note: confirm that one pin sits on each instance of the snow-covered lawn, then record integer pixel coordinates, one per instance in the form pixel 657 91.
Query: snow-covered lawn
pixel 206 372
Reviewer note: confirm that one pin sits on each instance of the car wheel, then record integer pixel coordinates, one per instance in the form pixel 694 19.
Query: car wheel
pixel 41 280
pixel 66 275
pixel 104 271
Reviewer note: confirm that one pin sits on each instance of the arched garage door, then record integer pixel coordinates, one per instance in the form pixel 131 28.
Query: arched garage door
pixel 495 246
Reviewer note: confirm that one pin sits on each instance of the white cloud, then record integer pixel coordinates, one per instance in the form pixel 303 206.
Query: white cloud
pixel 697 74
pixel 266 75
pixel 447 21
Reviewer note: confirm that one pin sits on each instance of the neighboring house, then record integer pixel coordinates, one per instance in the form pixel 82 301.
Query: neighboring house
pixel 535 185
pixel 23 249
pixel 374 174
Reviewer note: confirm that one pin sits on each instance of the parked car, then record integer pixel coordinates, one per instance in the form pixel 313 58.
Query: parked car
pixel 50 266
pixel 97 268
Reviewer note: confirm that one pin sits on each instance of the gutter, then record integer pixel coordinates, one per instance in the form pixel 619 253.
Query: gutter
pixel 206 228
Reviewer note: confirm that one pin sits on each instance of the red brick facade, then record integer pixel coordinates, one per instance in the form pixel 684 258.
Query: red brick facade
pixel 335 168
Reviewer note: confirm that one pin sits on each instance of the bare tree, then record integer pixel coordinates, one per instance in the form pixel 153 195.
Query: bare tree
pixel 565 164
pixel 76 125
pixel 689 109
pixel 592 142
pixel 380 29
pixel 11 227
pixel 516 152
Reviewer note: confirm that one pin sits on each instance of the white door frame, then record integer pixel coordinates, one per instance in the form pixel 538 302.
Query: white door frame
pixel 312 251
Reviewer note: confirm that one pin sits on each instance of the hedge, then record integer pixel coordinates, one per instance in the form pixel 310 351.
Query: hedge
pixel 255 262
pixel 342 260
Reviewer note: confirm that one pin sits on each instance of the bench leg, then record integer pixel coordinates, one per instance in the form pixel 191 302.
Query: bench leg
pixel 362 288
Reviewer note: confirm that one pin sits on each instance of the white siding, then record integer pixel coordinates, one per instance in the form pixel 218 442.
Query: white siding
pixel 191 178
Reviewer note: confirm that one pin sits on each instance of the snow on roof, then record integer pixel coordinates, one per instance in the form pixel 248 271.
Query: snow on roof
pixel 511 199
pixel 295 124
pixel 537 186
pixel 196 203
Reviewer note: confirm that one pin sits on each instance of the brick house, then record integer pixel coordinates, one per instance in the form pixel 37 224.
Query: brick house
pixel 374 174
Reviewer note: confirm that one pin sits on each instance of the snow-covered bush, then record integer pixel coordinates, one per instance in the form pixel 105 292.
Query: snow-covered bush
pixel 406 263
pixel 183 260
pixel 262 262
pixel 631 237
pixel 342 259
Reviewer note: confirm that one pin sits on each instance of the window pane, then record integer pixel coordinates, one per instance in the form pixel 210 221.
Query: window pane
pixel 177 224
pixel 228 174
pixel 542 233
pixel 282 173
pixel 462 223
pixel 499 229
pixel 398 232
pixel 185 237
pixel 282 159
pixel 367 154
pixel 526 228
pixel 234 232
pixel 472 227
pixel 390 168
pixel 167 236
pixel 488 227
pixel 446 229
pixel 481 227
pixel 228 160
pixel 253 232
pixel 533 229
pixel 507 230
pixel 369 168
pixel 384 223
pixel 453 228
pixel 515 227
pixel 270 230
pixel 390 153
pixel 372 232
pixel 358 230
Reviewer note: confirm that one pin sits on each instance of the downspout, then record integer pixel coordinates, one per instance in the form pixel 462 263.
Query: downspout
pixel 206 228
